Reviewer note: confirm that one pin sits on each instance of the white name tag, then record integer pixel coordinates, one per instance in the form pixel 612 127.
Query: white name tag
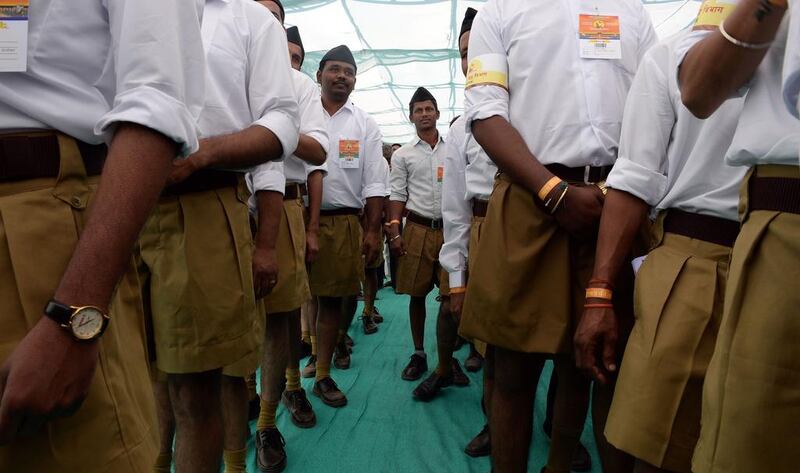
pixel 14 35
pixel 349 154
pixel 599 36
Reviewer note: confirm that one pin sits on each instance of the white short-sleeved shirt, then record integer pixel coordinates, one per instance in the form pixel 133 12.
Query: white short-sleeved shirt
pixel 417 173
pixel 568 109
pixel 766 132
pixel 132 61
pixel 354 159
pixel 468 174
pixel 791 63
pixel 668 157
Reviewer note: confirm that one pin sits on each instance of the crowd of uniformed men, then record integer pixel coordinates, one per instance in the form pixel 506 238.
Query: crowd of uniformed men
pixel 173 191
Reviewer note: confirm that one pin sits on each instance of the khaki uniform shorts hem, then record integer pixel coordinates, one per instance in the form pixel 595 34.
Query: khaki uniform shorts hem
pixel 339 268
pixel 292 290
pixel 418 271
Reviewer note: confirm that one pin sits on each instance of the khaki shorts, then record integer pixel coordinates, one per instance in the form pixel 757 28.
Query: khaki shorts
pixel 339 268
pixel 751 396
pixel 419 269
pixel 114 430
pixel 196 269
pixel 474 238
pixel 292 289
pixel 655 414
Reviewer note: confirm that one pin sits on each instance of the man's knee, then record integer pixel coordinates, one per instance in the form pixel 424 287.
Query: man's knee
pixel 192 394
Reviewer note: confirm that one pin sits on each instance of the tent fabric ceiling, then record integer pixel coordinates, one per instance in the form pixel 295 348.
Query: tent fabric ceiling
pixel 403 44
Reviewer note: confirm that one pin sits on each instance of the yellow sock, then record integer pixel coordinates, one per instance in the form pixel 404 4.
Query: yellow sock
pixel 314 345
pixel 305 336
pixel 235 460
pixel 266 418
pixel 163 463
pixel 292 379
pixel 323 369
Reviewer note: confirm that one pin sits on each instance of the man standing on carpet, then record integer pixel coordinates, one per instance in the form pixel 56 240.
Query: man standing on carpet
pixel 417 173
pixel 354 176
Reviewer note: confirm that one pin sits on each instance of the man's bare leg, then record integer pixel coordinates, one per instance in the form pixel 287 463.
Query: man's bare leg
pixel 166 426
pixel 416 313
pixel 196 402
pixel 511 415
pixel 234 401
pixel 569 414
pixel 613 459
pixel 329 321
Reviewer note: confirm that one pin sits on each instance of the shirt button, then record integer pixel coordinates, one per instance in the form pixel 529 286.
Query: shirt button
pixel 76 202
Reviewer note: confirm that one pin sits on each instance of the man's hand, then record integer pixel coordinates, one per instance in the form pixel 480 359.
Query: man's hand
pixel 46 376
pixel 579 213
pixel 371 246
pixel 596 341
pixel 265 271
pixel 181 170
pixel 456 304
pixel 397 246
pixel 312 246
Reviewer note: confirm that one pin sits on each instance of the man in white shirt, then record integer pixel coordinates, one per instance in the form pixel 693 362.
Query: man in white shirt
pixel 672 163
pixel 196 248
pixel 281 242
pixel 354 177
pixel 546 87
pixel 750 408
pixel 417 173
pixel 73 401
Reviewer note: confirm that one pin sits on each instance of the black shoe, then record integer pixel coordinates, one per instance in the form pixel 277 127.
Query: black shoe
pixel 481 445
pixel 299 408
pixel 305 349
pixel 581 460
pixel 327 390
pixel 311 367
pixel 415 368
pixel 428 389
pixel 376 316
pixel 341 358
pixel 368 324
pixel 474 362
pixel 459 378
pixel 270 452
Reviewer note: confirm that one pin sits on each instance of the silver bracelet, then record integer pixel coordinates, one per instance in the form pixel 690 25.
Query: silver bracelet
pixel 741 44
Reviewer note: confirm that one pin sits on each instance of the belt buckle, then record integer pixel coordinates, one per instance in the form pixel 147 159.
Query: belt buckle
pixel 587 174
pixel 435 225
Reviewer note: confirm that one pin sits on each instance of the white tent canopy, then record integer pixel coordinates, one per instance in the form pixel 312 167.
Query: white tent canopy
pixel 403 44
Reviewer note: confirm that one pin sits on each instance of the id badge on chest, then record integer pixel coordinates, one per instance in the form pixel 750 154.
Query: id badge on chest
pixel 14 35
pixel 599 36
pixel 349 154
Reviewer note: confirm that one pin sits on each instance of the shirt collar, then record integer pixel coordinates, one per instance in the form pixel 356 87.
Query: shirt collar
pixel 417 141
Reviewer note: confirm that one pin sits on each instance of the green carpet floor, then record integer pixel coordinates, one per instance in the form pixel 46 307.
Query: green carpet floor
pixel 383 429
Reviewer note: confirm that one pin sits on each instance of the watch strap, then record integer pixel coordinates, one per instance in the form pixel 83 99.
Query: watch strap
pixel 60 313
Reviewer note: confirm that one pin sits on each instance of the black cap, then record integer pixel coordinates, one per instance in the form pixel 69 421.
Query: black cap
pixel 421 95
pixel 293 36
pixel 466 25
pixel 339 53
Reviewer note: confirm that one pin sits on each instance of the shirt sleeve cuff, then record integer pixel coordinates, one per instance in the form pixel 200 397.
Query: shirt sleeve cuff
pixel 322 168
pixel 156 110
pixel 284 127
pixel 374 190
pixel 268 179
pixel 321 138
pixel 635 179
pixel 398 197
pixel 458 278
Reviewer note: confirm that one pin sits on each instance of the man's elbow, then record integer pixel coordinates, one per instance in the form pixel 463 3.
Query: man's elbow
pixel 319 156
pixel 701 104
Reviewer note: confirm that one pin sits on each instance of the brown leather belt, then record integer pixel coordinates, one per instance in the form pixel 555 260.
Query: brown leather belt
pixel 201 181
pixel 777 194
pixel 702 227
pixel 33 157
pixel 339 212
pixel 479 207
pixel 292 192
pixel 425 222
pixel 587 174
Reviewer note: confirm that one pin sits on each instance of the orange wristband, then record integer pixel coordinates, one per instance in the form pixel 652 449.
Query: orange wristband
pixel 394 222
pixel 598 306
pixel 599 293
pixel 458 290
pixel 547 187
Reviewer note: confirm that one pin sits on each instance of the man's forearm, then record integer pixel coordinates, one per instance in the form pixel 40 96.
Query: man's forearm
pixel 249 147
pixel 136 169
pixel 506 147
pixel 314 185
pixel 310 151
pixel 373 210
pixel 396 209
pixel 270 206
pixel 623 216
pixel 715 68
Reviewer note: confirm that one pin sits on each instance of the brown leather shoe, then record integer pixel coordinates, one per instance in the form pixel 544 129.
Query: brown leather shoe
pixel 474 362
pixel 481 445
pixel 459 378
pixel 376 316
pixel 428 389
pixel 368 324
pixel 270 452
pixel 327 390
pixel 300 409
pixel 415 368
pixel 310 369
pixel 341 358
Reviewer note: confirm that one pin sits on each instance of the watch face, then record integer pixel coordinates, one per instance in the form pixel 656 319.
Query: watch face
pixel 87 323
